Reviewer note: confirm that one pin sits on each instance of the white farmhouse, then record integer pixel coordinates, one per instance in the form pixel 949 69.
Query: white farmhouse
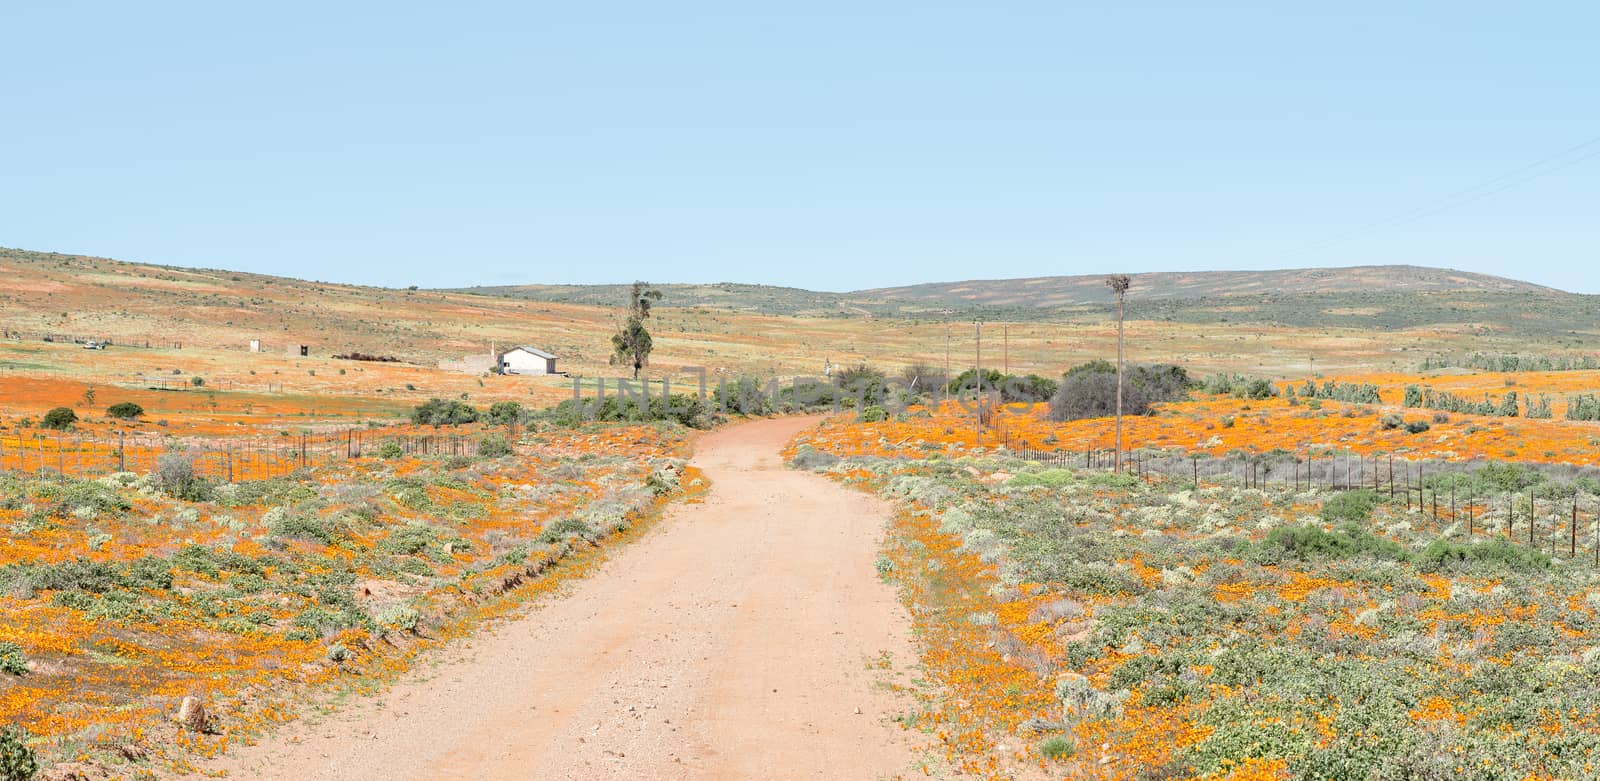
pixel 527 360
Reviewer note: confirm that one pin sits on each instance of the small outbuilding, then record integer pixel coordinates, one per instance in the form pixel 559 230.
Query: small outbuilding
pixel 527 360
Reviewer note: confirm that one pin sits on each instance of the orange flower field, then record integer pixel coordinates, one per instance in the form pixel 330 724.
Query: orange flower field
pixel 1079 624
pixel 126 593
pixel 1217 425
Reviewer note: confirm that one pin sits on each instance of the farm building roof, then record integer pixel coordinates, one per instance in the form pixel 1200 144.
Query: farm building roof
pixel 532 350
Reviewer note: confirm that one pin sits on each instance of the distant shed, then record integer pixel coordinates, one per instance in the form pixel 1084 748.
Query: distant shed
pixel 527 360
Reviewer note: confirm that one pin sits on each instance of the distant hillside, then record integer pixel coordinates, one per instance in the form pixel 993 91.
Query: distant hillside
pixel 74 296
pixel 1354 318
pixel 727 296
pixel 1370 297
pixel 1046 292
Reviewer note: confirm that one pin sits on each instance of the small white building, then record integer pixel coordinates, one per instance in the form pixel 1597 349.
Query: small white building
pixel 527 360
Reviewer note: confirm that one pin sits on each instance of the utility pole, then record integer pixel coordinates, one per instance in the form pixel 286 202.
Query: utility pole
pixel 983 398
pixel 1119 284
pixel 1005 348
pixel 977 326
pixel 947 377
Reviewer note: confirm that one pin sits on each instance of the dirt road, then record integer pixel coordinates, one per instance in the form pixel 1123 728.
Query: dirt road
pixel 732 641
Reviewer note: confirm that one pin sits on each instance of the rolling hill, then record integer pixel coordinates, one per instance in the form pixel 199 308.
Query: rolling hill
pixel 1382 297
pixel 1264 321
pixel 1069 291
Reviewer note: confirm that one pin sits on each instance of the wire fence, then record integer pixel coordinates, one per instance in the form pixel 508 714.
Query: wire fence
pixel 76 455
pixel 1561 511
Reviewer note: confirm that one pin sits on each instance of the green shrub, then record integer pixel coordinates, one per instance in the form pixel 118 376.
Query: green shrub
pixel 59 419
pixel 1509 478
pixel 505 412
pixel 126 410
pixel 297 526
pixel 175 475
pixel 564 528
pixel 1050 478
pixel 873 414
pixel 1057 747
pixel 1090 390
pixel 84 575
pixel 1444 554
pixel 1350 507
pixel 494 446
pixel 1417 426
pixel 402 617
pixel 1311 542
pixel 275 492
pixel 390 449
pixel 439 412
pixel 1391 422
pixel 17 762
pixel 1028 388
pixel 410 493
pixel 744 396
pixel 197 381
pixel 12 660
pixel 688 410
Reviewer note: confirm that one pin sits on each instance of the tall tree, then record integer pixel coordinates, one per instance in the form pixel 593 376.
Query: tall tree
pixel 1119 284
pixel 632 343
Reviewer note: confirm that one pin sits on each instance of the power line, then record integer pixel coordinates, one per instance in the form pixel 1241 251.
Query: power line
pixel 1477 192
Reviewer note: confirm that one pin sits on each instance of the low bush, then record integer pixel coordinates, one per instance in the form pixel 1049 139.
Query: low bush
pixel 303 526
pixel 12 660
pixel 1057 747
pixel 873 414
pixel 924 378
pixel 1311 542
pixel 494 446
pixel 17 762
pixel 1350 507
pixel 1445 555
pixel 1090 390
pixel 688 410
pixel 402 617
pixel 1417 426
pixel 126 410
pixel 439 412
pixel 59 419
pixel 564 528
pixel 175 475
pixel 505 413
pixel 743 396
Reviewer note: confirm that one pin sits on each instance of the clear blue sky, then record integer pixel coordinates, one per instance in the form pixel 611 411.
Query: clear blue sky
pixel 824 146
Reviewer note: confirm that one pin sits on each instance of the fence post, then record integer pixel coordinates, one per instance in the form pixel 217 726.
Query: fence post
pixel 1531 522
pixel 1572 546
pixel 1470 516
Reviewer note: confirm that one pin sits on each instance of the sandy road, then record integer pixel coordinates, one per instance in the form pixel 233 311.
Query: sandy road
pixel 730 642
